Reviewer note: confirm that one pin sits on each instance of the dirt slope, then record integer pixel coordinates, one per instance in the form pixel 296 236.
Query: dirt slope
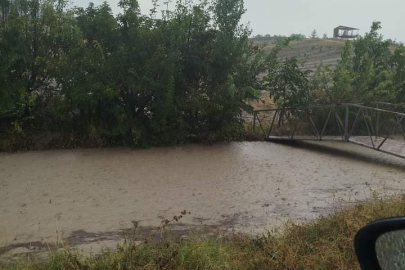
pixel 310 52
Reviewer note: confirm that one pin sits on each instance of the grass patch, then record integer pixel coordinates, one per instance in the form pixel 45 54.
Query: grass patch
pixel 324 243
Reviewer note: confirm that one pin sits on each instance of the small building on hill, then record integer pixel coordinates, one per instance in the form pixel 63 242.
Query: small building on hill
pixel 345 32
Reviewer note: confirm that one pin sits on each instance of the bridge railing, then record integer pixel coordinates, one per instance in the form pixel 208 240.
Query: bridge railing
pixel 314 122
pixel 379 129
pixel 387 106
pixel 373 127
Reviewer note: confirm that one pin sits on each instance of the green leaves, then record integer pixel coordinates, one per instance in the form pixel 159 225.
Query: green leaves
pixel 133 78
pixel 371 69
pixel 287 84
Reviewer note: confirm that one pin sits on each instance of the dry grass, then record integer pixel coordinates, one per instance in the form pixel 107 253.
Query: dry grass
pixel 310 53
pixel 325 243
pixel 263 103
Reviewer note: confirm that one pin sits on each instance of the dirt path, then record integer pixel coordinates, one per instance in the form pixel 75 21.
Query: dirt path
pixel 90 196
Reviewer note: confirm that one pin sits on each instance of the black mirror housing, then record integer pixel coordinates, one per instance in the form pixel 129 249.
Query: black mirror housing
pixel 366 239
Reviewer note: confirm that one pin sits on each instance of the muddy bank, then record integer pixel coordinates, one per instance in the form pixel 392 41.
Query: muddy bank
pixel 245 187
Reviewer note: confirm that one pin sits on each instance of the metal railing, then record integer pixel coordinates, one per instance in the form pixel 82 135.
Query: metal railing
pixel 372 127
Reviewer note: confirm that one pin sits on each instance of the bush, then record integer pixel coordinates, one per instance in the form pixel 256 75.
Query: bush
pixel 129 78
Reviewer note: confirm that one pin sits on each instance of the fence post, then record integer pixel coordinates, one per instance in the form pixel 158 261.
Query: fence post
pixel 347 123
pixel 254 121
pixel 378 121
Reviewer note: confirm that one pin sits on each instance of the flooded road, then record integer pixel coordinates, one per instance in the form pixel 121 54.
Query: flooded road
pixel 249 187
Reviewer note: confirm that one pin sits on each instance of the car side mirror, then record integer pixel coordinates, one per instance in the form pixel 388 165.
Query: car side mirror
pixel 380 245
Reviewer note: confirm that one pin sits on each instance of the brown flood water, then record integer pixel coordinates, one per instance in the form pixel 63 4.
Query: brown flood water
pixel 90 196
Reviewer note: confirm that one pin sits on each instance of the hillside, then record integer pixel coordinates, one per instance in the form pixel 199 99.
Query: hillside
pixel 310 52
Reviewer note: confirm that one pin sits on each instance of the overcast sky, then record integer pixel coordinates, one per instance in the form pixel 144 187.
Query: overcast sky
pixel 285 17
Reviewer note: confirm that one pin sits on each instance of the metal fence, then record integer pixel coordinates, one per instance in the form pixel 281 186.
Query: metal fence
pixel 371 125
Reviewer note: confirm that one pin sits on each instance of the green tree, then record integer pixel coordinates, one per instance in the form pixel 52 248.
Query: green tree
pixel 288 85
pixel 320 87
pixel 286 82
pixel 342 90
pixel 314 34
pixel 366 71
pixel 142 80
pixel 370 69
pixel 398 63
pixel 34 35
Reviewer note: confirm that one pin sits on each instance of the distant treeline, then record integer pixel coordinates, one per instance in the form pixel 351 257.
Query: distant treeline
pixel 275 38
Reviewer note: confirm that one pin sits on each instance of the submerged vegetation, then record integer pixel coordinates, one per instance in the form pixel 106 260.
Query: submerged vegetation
pixel 324 243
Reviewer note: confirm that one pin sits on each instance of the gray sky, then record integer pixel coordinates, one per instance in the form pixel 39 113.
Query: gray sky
pixel 285 17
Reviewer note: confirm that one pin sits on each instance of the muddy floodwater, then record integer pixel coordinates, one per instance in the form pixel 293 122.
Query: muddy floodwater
pixel 91 196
